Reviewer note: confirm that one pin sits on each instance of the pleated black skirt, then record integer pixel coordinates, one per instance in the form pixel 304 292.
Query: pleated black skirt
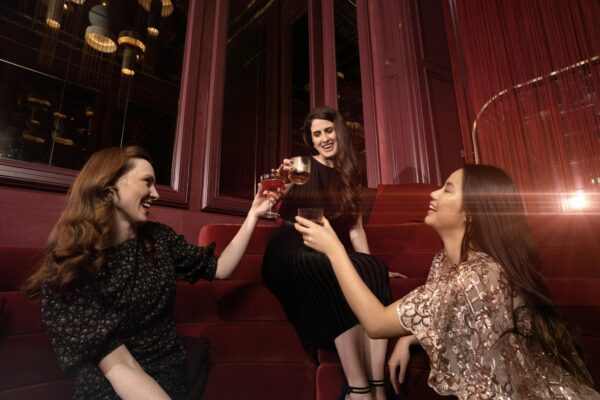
pixel 305 284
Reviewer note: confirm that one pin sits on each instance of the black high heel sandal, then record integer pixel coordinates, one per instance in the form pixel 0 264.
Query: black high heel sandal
pixel 346 389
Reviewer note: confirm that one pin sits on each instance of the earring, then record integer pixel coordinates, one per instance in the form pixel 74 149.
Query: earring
pixel 109 193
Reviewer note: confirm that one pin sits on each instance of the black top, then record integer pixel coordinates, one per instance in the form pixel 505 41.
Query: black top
pixel 320 191
pixel 129 302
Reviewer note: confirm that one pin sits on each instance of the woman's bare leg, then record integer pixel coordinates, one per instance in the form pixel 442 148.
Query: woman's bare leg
pixel 375 351
pixel 349 346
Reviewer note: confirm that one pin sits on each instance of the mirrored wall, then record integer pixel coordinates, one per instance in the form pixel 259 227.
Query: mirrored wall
pixel 77 76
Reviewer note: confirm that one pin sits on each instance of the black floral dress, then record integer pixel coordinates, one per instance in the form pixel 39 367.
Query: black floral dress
pixel 130 302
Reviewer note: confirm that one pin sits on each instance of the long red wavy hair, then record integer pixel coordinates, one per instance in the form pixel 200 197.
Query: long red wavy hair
pixel 74 250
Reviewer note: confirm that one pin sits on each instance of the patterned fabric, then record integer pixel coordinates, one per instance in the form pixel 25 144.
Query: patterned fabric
pixel 463 318
pixel 130 302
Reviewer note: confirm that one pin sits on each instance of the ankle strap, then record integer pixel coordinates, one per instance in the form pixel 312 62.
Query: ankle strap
pixel 358 390
pixel 375 383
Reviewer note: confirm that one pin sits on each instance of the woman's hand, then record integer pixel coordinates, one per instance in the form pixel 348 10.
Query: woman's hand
pixel 394 275
pixel 284 168
pixel 284 171
pixel 398 361
pixel 317 237
pixel 264 200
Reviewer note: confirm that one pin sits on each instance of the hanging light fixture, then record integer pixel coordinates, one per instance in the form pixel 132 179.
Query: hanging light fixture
pixel 33 137
pixel 154 18
pixel 54 13
pixel 98 55
pixel 60 134
pixel 99 35
pixel 38 108
pixel 34 133
pixel 156 10
pixel 85 132
pixel 167 6
pixel 133 47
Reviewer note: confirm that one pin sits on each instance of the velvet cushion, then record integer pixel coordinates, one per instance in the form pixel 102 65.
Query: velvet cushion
pixel 249 301
pixel 197 302
pixel 56 390
pixel 222 234
pixel 273 381
pixel 21 315
pixel 27 360
pixel 255 342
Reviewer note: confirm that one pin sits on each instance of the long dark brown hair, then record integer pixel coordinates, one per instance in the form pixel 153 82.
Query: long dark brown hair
pixel 497 226
pixel 74 250
pixel 345 159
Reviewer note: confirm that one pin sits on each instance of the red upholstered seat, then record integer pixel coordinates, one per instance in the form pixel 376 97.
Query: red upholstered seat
pixel 255 351
pixel 396 204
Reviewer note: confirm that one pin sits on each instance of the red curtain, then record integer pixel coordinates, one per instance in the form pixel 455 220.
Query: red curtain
pixel 530 71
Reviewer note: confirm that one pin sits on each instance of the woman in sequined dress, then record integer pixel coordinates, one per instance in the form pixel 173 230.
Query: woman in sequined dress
pixel 107 283
pixel 485 315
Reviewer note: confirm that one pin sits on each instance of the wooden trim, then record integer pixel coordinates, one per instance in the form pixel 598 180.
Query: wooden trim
pixel 289 17
pixel 211 199
pixel 178 193
pixel 458 74
pixel 427 143
pixel 315 39
pixel 329 51
pixel 368 93
pixel 22 173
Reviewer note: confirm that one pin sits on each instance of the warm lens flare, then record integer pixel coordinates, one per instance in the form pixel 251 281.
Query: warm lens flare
pixel 577 201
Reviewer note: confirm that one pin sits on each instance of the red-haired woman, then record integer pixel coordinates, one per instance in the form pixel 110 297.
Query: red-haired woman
pixel 107 283
pixel 485 315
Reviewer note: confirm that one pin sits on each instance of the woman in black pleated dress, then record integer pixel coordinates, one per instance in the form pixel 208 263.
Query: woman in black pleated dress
pixel 303 280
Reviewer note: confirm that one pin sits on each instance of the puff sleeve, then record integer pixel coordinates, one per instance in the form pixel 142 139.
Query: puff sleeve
pixel 191 262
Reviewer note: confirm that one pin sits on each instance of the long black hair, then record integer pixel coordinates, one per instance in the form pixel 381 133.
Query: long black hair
pixel 345 159
pixel 497 225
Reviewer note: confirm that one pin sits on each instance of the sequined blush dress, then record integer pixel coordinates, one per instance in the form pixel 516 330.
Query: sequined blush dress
pixel 303 279
pixel 130 302
pixel 463 317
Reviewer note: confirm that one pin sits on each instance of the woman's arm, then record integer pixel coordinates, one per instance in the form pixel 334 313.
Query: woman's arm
pixel 232 254
pixel 398 362
pixel 358 237
pixel 127 377
pixel 378 321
